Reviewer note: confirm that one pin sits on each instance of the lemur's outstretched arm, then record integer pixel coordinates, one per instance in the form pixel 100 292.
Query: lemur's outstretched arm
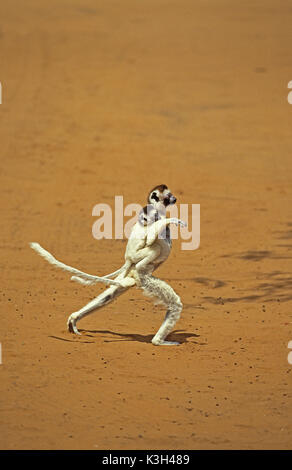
pixel 156 228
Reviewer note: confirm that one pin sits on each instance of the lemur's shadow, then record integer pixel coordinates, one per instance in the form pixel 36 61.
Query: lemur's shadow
pixel 176 335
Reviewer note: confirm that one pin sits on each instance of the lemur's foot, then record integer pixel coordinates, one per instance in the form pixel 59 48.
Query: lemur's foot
pixel 127 282
pixel 71 324
pixel 162 342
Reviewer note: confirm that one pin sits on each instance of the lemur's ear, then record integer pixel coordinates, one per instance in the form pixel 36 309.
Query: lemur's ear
pixel 154 196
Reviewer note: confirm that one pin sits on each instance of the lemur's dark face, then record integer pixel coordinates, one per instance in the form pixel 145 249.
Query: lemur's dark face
pixel 161 194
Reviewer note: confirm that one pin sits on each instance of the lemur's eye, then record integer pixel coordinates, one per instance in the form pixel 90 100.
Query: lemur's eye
pixel 155 197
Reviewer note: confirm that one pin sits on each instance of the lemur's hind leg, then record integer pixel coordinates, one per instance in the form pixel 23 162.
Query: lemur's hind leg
pixel 144 265
pixel 103 299
pixel 154 287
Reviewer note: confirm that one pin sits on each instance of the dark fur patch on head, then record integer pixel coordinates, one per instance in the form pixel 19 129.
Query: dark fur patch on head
pixel 166 201
pixel 148 215
pixel 159 187
pixel 155 197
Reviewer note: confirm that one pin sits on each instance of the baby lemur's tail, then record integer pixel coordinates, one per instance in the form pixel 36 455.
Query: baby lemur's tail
pixel 82 277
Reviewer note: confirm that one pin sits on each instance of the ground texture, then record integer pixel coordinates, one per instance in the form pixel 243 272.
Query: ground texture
pixel 111 98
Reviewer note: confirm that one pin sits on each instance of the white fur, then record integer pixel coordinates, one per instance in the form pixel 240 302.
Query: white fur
pixel 145 251
pixel 51 259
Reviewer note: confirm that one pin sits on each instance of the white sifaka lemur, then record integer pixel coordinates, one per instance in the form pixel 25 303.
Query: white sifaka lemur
pixel 149 245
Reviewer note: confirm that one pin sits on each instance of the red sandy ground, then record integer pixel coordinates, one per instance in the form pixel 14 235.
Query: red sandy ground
pixel 111 98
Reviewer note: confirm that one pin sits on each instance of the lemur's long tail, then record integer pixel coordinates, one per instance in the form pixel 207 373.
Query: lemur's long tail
pixel 87 282
pixel 91 279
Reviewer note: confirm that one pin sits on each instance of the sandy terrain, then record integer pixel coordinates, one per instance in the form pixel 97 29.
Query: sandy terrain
pixel 104 98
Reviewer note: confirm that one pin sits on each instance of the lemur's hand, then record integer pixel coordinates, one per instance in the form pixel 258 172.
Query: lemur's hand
pixel 182 223
pixel 178 222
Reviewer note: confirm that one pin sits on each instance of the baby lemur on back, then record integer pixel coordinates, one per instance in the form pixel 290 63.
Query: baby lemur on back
pixel 149 245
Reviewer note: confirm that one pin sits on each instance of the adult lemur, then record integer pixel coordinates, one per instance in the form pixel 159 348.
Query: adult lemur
pixel 148 247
